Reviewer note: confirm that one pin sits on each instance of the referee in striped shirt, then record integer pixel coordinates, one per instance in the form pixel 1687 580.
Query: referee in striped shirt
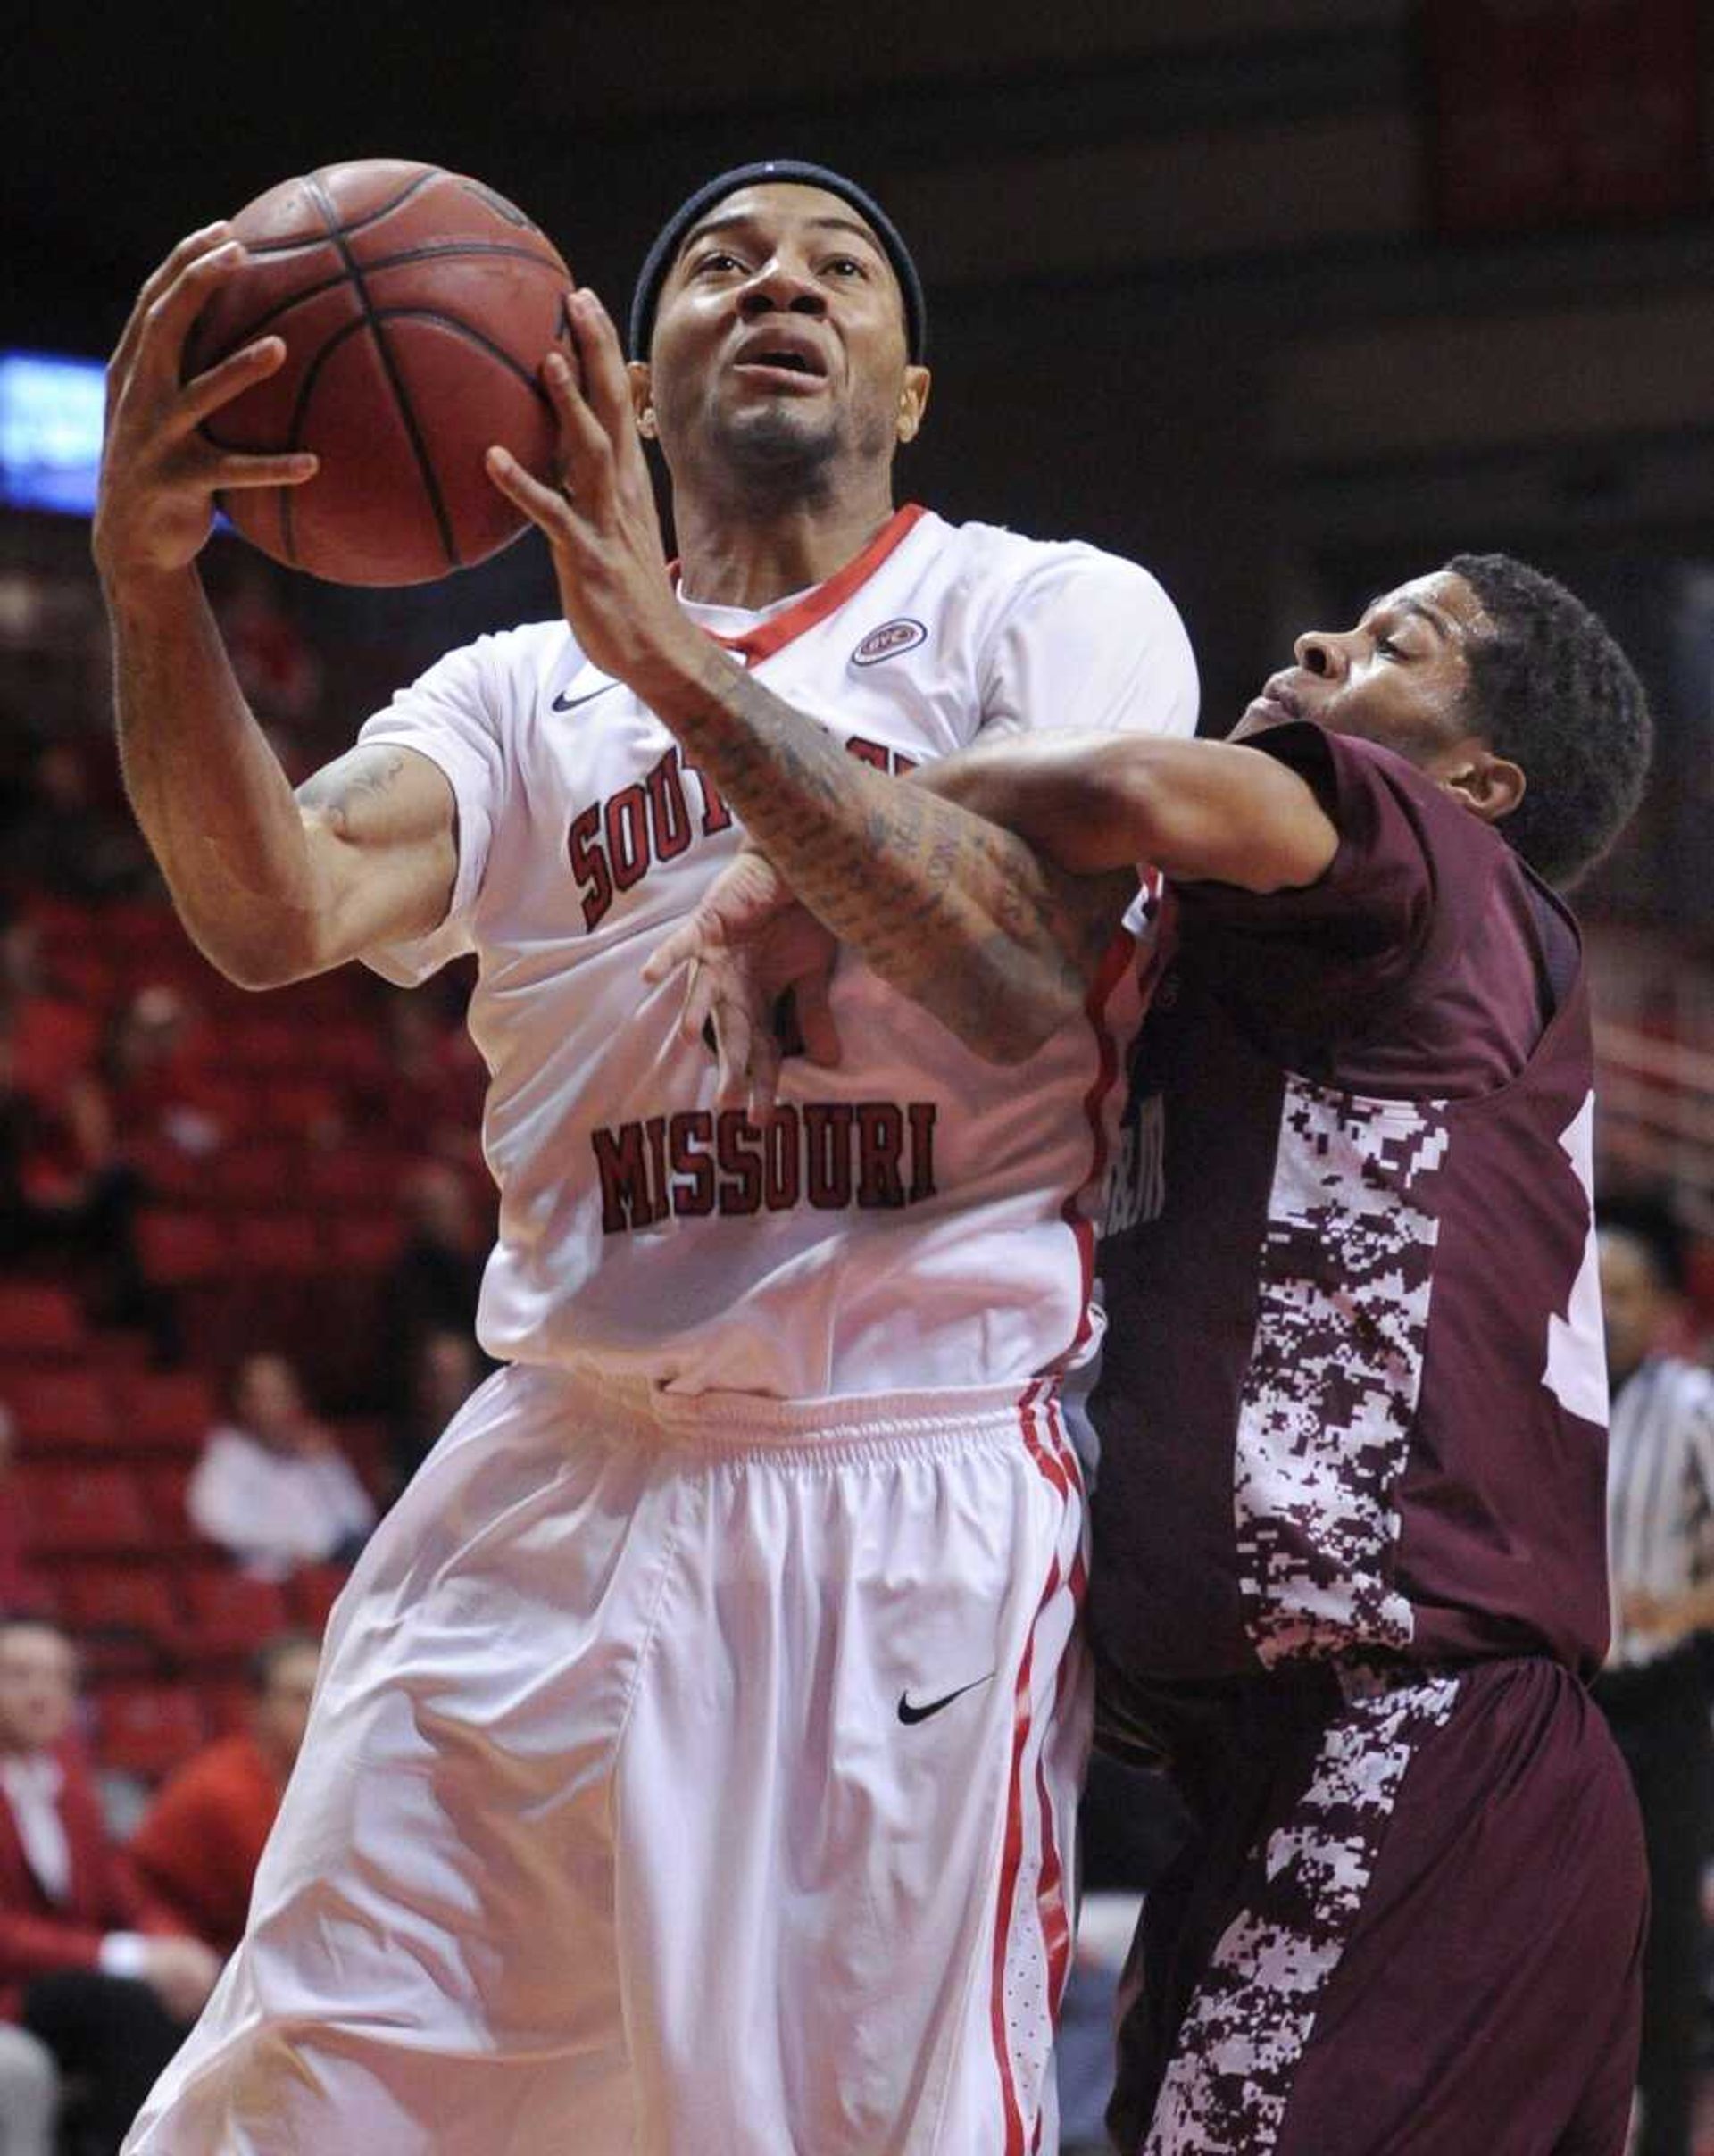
pixel 1661 1544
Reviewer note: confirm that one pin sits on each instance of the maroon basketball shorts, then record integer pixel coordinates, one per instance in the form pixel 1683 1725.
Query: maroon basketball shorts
pixel 1409 1923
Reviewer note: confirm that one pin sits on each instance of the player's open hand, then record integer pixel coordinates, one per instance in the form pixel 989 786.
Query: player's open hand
pixel 747 944
pixel 159 473
pixel 601 521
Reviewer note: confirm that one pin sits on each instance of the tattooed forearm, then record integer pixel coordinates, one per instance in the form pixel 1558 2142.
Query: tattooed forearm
pixel 953 912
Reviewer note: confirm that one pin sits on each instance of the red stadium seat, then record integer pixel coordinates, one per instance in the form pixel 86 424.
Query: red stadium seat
pixel 36 1319
pixel 164 1411
pixel 358 1177
pixel 313 1591
pixel 51 1040
pixel 258 1175
pixel 181 1246
pixel 89 971
pixel 61 1410
pixel 123 1599
pixel 364 1441
pixel 70 1509
pixel 230 1613
pixel 267 1044
pixel 147 1729
pixel 364 1242
pixel 287 1244
pixel 170 1521
pixel 295 1108
pixel 226 1705
pixel 173 1175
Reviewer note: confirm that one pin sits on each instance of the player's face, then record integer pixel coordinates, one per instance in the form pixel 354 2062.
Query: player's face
pixel 1400 677
pixel 779 353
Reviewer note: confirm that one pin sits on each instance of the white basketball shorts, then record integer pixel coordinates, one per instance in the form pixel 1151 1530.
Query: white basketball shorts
pixel 683 1776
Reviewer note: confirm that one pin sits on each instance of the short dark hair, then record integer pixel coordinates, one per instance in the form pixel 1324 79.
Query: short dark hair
pixel 1647 1221
pixel 1552 691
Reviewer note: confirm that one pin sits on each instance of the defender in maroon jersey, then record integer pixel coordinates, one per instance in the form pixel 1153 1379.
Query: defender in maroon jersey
pixel 1349 1571
pixel 1350 1556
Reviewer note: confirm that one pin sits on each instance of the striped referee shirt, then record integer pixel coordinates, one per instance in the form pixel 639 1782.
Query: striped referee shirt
pixel 1660 1493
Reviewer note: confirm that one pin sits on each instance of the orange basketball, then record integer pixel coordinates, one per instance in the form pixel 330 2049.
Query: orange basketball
pixel 417 306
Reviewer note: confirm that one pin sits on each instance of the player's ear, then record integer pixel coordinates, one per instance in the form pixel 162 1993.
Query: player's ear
pixel 913 401
pixel 1490 786
pixel 643 398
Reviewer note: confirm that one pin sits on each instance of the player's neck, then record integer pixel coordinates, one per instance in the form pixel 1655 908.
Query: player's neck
pixel 749 561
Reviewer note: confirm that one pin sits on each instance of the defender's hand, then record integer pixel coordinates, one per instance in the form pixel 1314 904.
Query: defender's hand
pixel 744 947
pixel 600 523
pixel 159 475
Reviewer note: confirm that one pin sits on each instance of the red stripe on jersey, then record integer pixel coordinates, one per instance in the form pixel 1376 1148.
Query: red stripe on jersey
pixel 1056 1915
pixel 781 629
pixel 1116 962
pixel 1012 1847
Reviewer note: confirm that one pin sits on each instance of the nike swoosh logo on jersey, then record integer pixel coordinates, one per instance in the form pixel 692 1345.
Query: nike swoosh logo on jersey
pixel 909 1713
pixel 563 703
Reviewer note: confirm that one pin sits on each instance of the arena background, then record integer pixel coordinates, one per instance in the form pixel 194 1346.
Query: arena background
pixel 1284 297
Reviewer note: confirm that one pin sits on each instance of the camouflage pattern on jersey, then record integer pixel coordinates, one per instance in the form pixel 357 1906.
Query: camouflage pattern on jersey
pixel 1329 1398
pixel 1247 2026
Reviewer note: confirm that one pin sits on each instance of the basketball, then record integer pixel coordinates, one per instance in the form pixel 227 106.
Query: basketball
pixel 417 306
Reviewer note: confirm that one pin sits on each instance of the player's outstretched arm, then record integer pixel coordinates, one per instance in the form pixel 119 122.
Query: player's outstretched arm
pixel 953 912
pixel 1201 811
pixel 269 890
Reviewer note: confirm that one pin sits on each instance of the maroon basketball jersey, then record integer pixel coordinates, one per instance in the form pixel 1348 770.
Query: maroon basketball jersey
pixel 1353 1393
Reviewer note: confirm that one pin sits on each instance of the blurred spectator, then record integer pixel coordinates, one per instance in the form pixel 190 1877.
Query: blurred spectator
pixel 432 1084
pixel 151 1084
pixel 272 1487
pixel 30 2095
pixel 198 1844
pixel 20 1589
pixel 61 842
pixel 1661 1542
pixel 433 1283
pixel 448 1368
pixel 64 1194
pixel 52 1028
pixel 89 1965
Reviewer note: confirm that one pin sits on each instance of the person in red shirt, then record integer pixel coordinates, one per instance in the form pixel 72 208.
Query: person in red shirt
pixel 198 1844
pixel 89 1963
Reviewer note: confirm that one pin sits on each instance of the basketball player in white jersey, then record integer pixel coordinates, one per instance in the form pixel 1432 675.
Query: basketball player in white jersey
pixel 696 1752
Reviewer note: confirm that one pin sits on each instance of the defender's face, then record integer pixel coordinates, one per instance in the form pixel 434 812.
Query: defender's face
pixel 1399 678
pixel 779 336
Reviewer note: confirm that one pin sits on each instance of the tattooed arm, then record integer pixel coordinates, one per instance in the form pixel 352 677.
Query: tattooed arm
pixel 272 887
pixel 951 911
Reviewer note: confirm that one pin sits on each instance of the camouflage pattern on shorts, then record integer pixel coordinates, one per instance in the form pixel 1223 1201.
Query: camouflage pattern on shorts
pixel 1247 2026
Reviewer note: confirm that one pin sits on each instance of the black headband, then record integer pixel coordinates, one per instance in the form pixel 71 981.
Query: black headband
pixel 795 170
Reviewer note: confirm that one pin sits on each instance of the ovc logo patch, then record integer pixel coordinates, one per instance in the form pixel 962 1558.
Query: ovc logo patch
pixel 888 641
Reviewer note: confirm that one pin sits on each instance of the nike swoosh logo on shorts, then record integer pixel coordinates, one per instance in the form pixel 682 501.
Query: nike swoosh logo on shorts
pixel 563 703
pixel 909 1713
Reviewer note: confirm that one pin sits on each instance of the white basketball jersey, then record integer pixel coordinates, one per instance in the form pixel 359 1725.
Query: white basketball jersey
pixel 915 1219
